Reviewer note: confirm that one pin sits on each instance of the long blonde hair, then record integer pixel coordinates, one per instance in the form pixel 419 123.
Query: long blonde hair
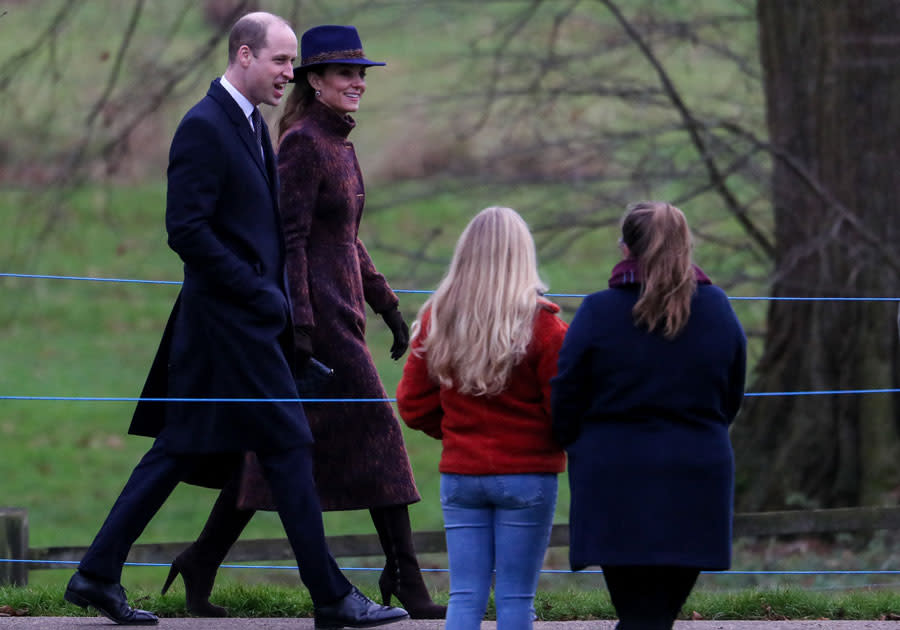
pixel 658 236
pixel 482 312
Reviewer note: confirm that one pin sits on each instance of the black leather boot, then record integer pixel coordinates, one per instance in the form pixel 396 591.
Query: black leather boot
pixel 402 577
pixel 199 563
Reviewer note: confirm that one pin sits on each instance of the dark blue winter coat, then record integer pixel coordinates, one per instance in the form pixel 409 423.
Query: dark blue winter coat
pixel 645 421
pixel 230 332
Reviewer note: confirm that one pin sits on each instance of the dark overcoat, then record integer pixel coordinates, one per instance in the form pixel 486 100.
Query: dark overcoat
pixel 645 421
pixel 360 458
pixel 229 334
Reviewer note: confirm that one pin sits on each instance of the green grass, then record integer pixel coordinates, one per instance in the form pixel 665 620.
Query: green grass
pixel 561 605
pixel 97 339
pixel 78 338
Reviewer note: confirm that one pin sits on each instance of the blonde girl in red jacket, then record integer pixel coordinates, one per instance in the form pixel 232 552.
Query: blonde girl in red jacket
pixel 484 348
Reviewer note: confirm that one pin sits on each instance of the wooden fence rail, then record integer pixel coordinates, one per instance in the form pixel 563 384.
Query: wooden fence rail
pixel 14 529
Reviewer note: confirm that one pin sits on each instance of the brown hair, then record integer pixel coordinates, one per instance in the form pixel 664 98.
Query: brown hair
pixel 658 237
pixel 299 99
pixel 251 31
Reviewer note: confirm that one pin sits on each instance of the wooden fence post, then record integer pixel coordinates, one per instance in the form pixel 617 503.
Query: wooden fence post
pixel 13 545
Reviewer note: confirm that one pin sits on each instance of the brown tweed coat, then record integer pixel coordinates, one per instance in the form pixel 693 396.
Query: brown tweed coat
pixel 360 460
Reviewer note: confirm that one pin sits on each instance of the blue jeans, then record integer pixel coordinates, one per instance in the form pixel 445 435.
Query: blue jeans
pixel 496 523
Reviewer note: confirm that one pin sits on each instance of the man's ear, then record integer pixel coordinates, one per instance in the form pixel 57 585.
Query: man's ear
pixel 244 55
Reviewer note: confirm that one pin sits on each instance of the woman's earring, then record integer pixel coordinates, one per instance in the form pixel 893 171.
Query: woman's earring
pixel 318 93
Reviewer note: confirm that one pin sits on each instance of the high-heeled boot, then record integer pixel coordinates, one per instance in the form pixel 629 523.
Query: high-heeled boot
pixel 401 576
pixel 199 563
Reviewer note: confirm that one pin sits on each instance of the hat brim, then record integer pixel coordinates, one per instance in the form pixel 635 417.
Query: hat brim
pixel 352 62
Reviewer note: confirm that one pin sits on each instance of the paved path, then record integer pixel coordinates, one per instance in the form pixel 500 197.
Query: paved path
pixel 100 623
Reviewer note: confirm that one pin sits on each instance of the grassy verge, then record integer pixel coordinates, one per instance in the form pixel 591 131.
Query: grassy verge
pixel 290 601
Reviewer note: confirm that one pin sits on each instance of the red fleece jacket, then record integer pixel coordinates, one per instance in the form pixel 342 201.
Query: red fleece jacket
pixel 488 435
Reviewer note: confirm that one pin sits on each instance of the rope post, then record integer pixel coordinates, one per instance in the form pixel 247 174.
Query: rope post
pixel 13 545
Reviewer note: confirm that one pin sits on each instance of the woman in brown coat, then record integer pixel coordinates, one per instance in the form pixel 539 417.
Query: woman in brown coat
pixel 360 461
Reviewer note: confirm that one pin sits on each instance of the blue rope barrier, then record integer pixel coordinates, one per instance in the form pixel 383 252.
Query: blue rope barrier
pixel 364 400
pixel 430 570
pixel 195 400
pixel 819 299
pixel 826 392
pixel 35 276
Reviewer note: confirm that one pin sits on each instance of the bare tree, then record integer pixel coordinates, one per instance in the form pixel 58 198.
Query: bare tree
pixel 603 100
pixel 832 89
pixel 589 109
pixel 586 105
pixel 97 115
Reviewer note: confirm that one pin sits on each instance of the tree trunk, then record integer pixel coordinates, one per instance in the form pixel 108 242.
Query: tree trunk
pixel 832 83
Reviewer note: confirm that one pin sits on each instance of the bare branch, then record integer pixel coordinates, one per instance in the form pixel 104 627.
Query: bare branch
pixel 46 37
pixel 514 28
pixel 815 185
pixel 693 127
pixel 169 78
pixel 117 64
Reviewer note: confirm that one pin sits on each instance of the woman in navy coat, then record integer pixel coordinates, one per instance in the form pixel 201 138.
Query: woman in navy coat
pixel 651 375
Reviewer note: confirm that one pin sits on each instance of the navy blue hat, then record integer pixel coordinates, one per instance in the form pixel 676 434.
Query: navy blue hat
pixel 332 44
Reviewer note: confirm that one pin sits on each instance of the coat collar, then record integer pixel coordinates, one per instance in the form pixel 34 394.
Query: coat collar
pixel 243 130
pixel 329 120
pixel 547 305
pixel 628 272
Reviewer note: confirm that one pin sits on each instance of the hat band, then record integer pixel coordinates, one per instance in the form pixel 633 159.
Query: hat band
pixel 352 53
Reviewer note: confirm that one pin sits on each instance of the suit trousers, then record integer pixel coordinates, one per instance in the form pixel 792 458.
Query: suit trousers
pixel 648 597
pixel 289 474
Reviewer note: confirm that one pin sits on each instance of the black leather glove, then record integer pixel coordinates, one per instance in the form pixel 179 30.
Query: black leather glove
pixel 399 329
pixel 302 346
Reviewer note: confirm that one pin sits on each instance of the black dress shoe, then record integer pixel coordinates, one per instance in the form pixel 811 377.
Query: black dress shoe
pixel 108 598
pixel 355 610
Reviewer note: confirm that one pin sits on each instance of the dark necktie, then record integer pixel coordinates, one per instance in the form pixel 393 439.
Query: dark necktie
pixel 256 118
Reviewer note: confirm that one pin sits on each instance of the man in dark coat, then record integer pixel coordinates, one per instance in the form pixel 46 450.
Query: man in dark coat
pixel 229 337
